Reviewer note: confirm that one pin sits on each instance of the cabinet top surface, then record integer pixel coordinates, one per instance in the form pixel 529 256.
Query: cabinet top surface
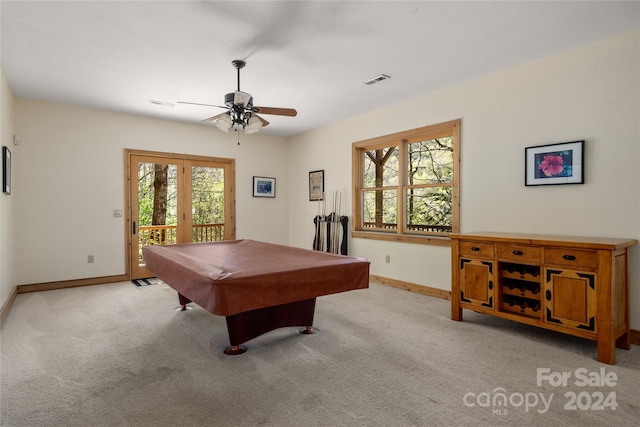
pixel 547 239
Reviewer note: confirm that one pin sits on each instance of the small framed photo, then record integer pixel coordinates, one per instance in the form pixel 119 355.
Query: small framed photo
pixel 264 187
pixel 555 164
pixel 6 170
pixel 316 185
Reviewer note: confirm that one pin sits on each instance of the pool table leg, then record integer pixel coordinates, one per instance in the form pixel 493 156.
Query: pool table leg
pixel 248 325
pixel 183 301
pixel 235 349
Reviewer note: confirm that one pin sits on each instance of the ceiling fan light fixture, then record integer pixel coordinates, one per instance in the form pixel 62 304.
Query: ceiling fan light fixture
pixel 241 114
pixel 224 123
pixel 253 125
pixel 243 98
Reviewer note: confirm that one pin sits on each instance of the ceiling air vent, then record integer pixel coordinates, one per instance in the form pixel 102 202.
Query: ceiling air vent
pixel 377 79
pixel 164 104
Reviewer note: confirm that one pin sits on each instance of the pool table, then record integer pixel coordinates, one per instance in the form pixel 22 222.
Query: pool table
pixel 257 286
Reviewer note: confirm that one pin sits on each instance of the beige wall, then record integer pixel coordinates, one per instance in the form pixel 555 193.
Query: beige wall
pixel 590 93
pixel 70 178
pixel 7 239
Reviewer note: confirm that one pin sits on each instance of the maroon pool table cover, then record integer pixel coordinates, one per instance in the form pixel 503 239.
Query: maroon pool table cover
pixel 236 276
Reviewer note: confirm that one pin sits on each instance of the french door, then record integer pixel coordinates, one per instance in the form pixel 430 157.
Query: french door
pixel 174 198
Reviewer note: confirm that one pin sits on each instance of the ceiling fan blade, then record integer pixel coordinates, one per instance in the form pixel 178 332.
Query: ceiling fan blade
pixel 264 122
pixel 214 118
pixel 277 111
pixel 204 105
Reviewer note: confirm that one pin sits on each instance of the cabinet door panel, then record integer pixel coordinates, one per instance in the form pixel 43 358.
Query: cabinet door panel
pixel 570 299
pixel 476 282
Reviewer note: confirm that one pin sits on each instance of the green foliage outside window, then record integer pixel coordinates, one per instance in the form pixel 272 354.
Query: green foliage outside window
pixel 430 164
pixel 146 194
pixel 207 195
pixel 207 201
pixel 408 181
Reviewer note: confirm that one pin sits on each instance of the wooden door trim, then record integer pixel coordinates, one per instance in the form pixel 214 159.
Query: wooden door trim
pixel 230 202
pixel 179 156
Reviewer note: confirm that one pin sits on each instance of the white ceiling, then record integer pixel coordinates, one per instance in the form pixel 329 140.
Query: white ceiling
pixel 313 56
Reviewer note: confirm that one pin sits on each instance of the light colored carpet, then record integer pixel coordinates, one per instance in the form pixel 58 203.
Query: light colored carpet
pixel 121 355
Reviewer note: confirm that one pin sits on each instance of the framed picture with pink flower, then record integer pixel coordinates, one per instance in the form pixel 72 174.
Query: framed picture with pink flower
pixel 555 164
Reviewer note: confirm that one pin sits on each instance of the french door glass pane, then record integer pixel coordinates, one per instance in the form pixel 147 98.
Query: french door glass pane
pixel 207 204
pixel 157 205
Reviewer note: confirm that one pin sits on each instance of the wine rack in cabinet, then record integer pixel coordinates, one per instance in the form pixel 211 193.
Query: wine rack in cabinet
pixel 573 285
pixel 520 289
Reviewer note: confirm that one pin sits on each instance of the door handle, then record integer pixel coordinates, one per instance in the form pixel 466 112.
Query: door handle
pixel 133 227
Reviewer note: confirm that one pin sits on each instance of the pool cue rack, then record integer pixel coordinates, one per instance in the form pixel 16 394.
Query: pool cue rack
pixel 331 229
pixel 331 233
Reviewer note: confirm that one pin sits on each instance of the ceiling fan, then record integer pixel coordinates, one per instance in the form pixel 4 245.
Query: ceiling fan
pixel 242 114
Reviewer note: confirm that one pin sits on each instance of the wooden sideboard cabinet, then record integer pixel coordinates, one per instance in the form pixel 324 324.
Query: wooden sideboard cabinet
pixel 575 285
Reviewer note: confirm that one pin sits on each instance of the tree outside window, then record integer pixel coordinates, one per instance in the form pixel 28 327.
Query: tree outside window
pixel 406 185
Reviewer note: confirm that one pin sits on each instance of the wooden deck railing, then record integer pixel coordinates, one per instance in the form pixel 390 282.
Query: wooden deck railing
pixel 411 227
pixel 207 233
pixel 156 235
pixel 166 234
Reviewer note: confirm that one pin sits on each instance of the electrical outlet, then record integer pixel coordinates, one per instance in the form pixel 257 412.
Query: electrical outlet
pixel 387 259
pixel 90 259
pixel 117 213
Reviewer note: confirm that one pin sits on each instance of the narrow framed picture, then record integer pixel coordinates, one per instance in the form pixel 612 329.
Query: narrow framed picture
pixel 264 187
pixel 316 185
pixel 554 164
pixel 6 170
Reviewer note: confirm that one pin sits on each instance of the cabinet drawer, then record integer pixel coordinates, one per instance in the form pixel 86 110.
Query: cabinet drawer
pixel 519 252
pixel 573 258
pixel 476 249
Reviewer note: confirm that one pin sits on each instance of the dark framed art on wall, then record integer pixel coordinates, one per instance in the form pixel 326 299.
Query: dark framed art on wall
pixel 6 170
pixel 316 185
pixel 555 164
pixel 264 187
